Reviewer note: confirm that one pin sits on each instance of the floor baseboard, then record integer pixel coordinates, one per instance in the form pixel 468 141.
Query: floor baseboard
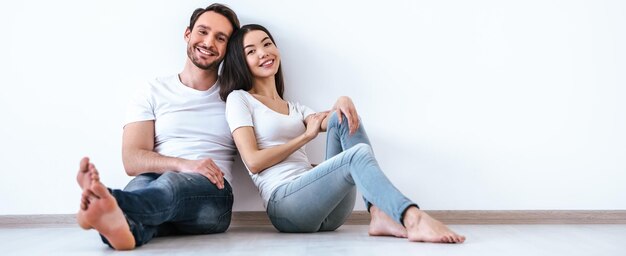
pixel 458 217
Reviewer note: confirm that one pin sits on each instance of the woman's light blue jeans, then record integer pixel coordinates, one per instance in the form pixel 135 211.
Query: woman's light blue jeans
pixel 323 198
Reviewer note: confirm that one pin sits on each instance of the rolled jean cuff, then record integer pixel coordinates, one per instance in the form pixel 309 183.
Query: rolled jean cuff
pixel 405 206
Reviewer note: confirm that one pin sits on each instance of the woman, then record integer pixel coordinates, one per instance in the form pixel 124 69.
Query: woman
pixel 270 134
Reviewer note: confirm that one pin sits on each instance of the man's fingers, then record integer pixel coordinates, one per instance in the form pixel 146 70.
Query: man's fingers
pixel 216 175
pixel 220 179
pixel 215 167
pixel 211 178
pixel 219 175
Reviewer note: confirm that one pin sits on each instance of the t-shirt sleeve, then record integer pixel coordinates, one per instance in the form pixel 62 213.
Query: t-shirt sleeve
pixel 238 111
pixel 304 110
pixel 140 107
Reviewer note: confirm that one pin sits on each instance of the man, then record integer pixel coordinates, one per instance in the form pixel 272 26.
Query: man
pixel 177 142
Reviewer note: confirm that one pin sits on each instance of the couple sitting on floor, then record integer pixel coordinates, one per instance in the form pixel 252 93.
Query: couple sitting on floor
pixel 182 133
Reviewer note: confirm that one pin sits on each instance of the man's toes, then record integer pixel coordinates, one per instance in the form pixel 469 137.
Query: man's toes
pixel 84 200
pixel 84 206
pixel 84 164
pixel 99 189
pixel 94 176
pixel 92 168
pixel 90 194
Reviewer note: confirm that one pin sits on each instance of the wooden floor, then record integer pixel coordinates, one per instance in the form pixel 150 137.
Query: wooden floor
pixel 484 240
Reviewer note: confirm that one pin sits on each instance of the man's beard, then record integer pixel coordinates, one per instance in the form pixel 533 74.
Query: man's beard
pixel 210 66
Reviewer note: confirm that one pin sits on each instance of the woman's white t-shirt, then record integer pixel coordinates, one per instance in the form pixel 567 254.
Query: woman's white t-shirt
pixel 271 129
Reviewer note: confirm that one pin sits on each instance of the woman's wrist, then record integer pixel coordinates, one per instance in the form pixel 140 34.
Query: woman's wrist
pixel 308 137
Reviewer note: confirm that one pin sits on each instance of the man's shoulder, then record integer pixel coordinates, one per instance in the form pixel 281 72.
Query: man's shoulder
pixel 163 81
pixel 158 85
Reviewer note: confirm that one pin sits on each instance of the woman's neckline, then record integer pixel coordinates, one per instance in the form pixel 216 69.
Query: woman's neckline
pixel 260 102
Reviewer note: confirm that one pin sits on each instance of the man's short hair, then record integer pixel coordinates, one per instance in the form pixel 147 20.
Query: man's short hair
pixel 218 8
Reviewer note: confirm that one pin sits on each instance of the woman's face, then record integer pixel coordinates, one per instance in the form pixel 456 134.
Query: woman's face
pixel 261 54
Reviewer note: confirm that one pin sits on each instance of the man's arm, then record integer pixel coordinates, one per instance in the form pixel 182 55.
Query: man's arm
pixel 139 157
pixel 138 151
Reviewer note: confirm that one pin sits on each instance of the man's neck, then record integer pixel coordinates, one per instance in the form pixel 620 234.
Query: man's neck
pixel 196 78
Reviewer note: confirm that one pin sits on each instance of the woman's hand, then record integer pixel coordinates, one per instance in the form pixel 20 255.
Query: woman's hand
pixel 314 124
pixel 345 106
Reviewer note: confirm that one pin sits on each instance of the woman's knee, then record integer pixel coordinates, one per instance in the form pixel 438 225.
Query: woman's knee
pixel 333 120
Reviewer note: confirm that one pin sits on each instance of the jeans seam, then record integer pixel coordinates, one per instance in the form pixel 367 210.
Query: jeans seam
pixel 177 205
pixel 306 185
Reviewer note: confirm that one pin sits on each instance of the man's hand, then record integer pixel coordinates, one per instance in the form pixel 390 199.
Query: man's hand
pixel 205 167
pixel 345 106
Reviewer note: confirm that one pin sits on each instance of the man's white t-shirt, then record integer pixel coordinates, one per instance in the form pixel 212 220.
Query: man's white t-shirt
pixel 271 129
pixel 188 123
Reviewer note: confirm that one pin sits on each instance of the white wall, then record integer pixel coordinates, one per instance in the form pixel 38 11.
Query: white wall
pixel 514 105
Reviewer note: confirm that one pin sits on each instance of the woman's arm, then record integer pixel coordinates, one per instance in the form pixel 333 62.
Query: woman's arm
pixel 258 160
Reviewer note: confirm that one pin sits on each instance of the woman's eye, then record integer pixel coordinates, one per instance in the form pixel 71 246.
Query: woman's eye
pixel 268 44
pixel 250 52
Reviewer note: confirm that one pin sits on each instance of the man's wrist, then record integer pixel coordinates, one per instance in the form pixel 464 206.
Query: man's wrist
pixel 179 164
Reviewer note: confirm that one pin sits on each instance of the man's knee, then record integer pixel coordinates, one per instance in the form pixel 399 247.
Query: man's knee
pixel 141 181
pixel 216 224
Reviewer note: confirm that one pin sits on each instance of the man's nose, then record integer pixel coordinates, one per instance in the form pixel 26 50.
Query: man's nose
pixel 209 41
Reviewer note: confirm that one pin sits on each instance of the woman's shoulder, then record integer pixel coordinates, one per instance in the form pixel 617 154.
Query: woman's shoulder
pixel 238 95
pixel 239 99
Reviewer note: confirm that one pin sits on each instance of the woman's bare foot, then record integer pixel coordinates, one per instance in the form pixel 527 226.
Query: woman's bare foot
pixel 382 225
pixel 103 214
pixel 423 228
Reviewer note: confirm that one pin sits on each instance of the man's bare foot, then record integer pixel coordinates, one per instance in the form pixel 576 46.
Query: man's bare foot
pixel 382 225
pixel 83 177
pixel 103 214
pixel 423 228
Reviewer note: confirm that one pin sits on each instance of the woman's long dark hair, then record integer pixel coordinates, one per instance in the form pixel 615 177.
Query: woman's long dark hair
pixel 235 72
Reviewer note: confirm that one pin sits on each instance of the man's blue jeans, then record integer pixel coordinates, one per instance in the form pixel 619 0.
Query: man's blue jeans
pixel 323 198
pixel 174 203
